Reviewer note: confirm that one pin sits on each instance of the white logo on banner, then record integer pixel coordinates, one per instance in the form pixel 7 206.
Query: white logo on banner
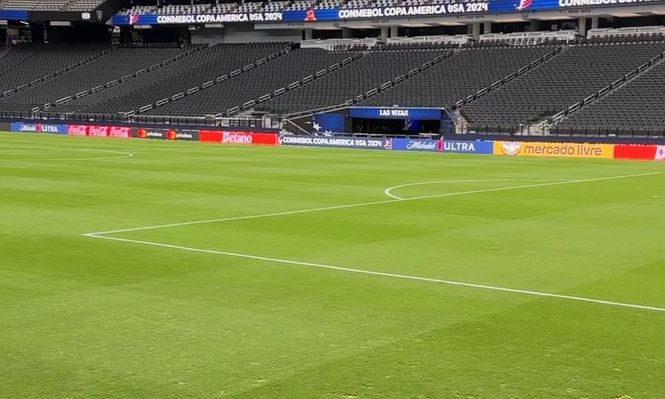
pixel 660 153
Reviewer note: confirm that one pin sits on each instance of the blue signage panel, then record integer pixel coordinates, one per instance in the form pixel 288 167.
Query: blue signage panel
pixel 328 123
pixel 395 113
pixel 20 127
pixel 416 145
pixel 468 147
pixel 337 142
pixel 14 15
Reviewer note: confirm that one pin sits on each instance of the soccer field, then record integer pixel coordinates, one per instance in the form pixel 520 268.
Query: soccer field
pixel 155 269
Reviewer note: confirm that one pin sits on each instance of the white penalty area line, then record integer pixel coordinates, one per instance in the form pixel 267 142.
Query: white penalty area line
pixel 385 274
pixel 380 202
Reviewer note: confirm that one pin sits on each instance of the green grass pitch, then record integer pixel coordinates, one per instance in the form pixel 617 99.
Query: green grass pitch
pixel 215 310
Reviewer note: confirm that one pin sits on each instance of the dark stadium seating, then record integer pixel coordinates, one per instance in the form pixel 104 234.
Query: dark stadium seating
pixel 26 64
pixel 459 76
pixel 368 72
pixel 220 60
pixel 580 70
pixel 51 5
pixel 253 84
pixel 110 67
pixel 636 108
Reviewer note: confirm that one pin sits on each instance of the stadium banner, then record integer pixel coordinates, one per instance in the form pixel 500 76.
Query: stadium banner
pixel 21 127
pixel 638 152
pixel 562 150
pixel 77 130
pixel 5 127
pixel 336 142
pixel 236 137
pixel 468 147
pixel 98 131
pixel 14 15
pixel 120 132
pixel 660 153
pixel 166 134
pixel 504 6
pixel 452 8
pixel 395 113
pixel 416 145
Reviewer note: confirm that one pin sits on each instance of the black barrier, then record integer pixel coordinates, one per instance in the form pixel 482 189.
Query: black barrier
pixel 4 127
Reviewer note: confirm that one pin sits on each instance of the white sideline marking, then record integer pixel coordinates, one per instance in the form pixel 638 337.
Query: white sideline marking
pixel 346 206
pixel 385 274
pixel 103 236
pixel 123 154
pixel 389 190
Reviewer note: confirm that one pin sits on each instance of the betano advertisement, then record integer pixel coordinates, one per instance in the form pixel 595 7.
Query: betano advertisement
pixel 560 150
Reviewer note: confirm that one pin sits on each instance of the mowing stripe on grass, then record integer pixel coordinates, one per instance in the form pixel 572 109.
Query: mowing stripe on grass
pixel 385 274
pixel 355 205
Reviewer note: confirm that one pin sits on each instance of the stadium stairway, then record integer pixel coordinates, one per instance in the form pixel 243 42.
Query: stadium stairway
pixel 635 100
pixel 114 66
pixel 245 89
pixel 140 77
pixel 462 78
pixel 31 65
pixel 214 65
pixel 369 75
pixel 555 85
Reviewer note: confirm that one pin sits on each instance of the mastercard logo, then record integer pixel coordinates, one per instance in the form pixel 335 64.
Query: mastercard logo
pixel 170 135
pixel 142 133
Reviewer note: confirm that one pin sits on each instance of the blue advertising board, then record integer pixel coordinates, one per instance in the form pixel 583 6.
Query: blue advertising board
pixel 328 124
pixel 416 145
pixel 349 14
pixel 395 113
pixel 21 127
pixel 337 142
pixel 14 15
pixel 468 147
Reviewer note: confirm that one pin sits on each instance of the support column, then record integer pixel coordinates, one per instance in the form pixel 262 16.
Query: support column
pixel 594 22
pixel 474 30
pixel 581 26
pixel 487 27
pixel 394 31
pixel 385 32
pixel 308 34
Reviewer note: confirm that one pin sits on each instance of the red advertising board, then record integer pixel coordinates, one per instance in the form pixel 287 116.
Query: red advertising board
pixel 98 131
pixel 235 137
pixel 209 136
pixel 77 130
pixel 638 152
pixel 121 132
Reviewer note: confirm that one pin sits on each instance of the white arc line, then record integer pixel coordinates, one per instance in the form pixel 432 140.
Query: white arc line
pixel 385 274
pixel 389 201
pixel 389 190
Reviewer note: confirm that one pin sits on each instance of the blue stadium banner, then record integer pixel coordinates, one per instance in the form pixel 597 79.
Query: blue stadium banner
pixel 427 145
pixel 337 142
pixel 395 113
pixel 14 15
pixel 21 127
pixel 454 8
pixel 328 123
pixel 468 147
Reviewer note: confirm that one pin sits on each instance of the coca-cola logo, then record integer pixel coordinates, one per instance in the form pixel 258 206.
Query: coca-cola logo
pixel 236 138
pixel 101 131
pixel 77 130
pixel 117 131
